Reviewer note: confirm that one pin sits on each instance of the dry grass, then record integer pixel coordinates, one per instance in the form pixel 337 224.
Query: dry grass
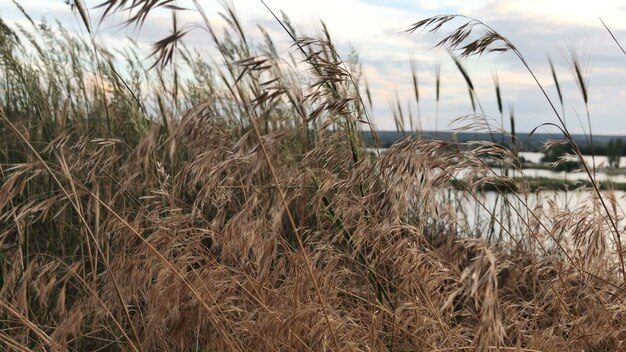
pixel 240 222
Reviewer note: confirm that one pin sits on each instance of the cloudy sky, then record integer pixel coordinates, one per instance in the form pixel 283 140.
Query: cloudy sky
pixel 376 29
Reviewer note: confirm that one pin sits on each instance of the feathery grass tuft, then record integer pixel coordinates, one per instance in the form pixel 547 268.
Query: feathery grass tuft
pixel 237 208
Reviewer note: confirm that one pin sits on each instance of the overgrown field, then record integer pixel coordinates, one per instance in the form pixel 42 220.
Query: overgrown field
pixel 227 202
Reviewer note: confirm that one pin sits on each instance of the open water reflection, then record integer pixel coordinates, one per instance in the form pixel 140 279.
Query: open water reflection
pixel 492 214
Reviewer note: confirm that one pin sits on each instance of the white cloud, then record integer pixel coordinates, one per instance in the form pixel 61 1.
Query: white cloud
pixel 430 4
pixel 581 12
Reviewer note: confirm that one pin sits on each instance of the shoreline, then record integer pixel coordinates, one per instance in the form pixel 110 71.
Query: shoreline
pixel 533 184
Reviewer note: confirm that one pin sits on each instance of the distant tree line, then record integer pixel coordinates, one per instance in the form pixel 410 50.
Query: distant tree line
pixel 613 150
pixel 555 153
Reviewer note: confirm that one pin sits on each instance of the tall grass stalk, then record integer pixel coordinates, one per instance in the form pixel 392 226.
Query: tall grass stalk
pixel 437 96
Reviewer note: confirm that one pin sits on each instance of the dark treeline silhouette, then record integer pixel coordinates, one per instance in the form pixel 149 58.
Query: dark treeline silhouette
pixel 526 142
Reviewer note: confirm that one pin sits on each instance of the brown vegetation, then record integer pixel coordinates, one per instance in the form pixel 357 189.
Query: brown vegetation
pixel 240 222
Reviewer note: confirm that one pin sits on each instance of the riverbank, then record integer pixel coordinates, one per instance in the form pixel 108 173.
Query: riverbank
pixel 533 184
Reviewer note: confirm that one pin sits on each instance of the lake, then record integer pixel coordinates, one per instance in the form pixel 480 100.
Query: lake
pixel 477 209
pixel 601 162
pixel 520 209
